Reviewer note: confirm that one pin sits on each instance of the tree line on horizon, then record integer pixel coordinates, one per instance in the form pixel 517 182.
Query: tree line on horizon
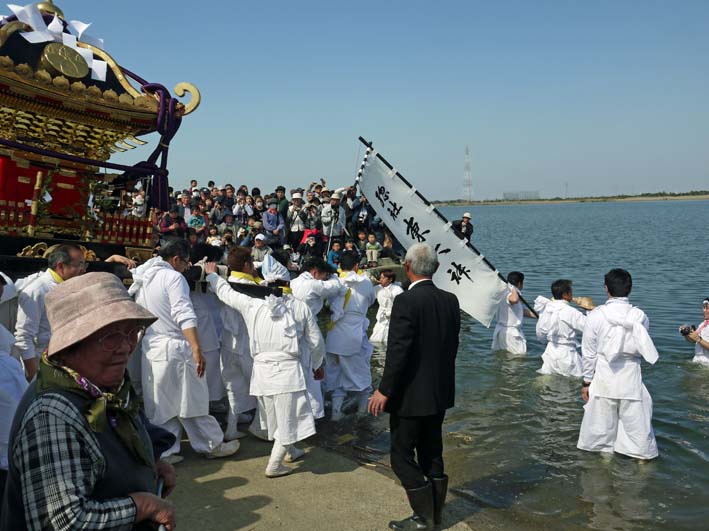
pixel 582 198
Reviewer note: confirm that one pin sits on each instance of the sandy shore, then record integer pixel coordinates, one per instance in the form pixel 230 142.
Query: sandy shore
pixel 327 492
pixel 633 199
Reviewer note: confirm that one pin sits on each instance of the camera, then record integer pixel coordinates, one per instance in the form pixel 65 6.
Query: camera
pixel 685 330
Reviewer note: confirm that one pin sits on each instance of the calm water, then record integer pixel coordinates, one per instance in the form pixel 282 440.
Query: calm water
pixel 511 439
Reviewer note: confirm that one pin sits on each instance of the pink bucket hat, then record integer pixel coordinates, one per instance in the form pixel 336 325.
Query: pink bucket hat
pixel 80 306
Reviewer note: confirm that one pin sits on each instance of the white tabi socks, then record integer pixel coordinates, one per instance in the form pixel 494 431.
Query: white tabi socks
pixel 337 408
pixel 275 467
pixel 232 432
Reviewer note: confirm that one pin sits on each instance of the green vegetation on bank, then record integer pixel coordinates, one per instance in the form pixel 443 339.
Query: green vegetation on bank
pixel 694 194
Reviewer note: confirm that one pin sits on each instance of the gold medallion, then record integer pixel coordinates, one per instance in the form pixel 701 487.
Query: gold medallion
pixel 59 59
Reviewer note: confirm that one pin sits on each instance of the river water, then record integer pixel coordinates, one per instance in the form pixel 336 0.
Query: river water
pixel 511 439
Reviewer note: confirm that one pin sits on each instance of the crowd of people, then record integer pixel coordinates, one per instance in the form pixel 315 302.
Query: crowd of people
pixel 307 223
pixel 196 344
pixel 103 382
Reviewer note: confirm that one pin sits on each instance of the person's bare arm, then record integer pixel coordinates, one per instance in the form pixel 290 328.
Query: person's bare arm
pixel 191 336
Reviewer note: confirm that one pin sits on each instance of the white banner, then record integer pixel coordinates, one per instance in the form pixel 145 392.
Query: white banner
pixel 412 219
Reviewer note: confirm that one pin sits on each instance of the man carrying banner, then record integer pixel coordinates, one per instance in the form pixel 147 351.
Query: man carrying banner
pixel 508 333
pixel 418 386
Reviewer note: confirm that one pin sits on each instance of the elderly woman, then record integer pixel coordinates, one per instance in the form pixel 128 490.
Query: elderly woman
pixel 80 453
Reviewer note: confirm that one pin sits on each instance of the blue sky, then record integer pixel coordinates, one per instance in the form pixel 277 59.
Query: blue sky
pixel 607 96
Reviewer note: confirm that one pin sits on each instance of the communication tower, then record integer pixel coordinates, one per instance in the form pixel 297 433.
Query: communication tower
pixel 467 177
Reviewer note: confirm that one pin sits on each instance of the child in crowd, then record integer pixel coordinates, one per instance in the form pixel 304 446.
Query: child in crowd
pixel 373 250
pixel 213 238
pixel 361 242
pixel 333 257
pixel 352 248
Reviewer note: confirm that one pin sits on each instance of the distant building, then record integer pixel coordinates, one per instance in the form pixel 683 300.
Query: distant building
pixel 520 196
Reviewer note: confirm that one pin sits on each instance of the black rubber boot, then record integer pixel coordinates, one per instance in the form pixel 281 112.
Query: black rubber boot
pixel 440 489
pixel 421 501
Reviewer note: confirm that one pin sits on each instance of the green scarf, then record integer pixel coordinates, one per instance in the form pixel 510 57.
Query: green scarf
pixel 117 409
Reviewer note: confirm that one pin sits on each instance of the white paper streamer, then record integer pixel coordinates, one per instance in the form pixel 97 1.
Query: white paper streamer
pixel 462 271
pixel 54 32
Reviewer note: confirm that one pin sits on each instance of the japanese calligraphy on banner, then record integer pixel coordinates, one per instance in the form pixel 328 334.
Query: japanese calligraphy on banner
pixel 411 219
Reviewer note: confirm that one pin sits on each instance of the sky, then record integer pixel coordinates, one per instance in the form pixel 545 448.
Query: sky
pixel 594 97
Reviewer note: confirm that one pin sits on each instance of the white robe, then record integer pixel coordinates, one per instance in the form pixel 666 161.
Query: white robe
pixel 12 386
pixel 171 386
pixel 32 330
pixel 236 361
pixel 618 414
pixel 558 326
pixel 701 354
pixel 385 298
pixel 206 307
pixel 508 334
pixel 314 293
pixel 348 348
pixel 277 328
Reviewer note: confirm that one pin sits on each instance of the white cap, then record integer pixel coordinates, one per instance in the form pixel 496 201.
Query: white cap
pixel 297 196
pixel 260 237
pixel 467 215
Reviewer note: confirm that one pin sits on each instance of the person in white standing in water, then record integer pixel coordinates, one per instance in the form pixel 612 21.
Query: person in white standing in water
pixel 508 333
pixel 617 416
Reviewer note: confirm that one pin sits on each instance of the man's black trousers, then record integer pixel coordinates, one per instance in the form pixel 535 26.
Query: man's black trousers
pixel 416 448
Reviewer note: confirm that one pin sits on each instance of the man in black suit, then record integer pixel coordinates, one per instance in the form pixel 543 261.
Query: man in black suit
pixel 418 386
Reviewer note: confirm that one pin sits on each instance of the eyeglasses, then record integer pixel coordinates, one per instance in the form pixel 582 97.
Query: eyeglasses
pixel 114 340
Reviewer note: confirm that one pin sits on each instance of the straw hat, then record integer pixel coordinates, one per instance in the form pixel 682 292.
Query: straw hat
pixel 467 215
pixel 335 196
pixel 80 306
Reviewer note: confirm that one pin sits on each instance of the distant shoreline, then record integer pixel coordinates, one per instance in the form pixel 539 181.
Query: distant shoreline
pixel 610 199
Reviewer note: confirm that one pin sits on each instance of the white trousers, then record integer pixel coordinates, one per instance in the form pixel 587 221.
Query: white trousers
pixel 509 338
pixel 204 433
pixel 236 375
pixel 618 425
pixel 347 373
pixel 213 374
pixel 561 359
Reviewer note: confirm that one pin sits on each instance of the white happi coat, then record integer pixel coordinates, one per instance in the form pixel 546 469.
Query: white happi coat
pixel 558 326
pixel 348 348
pixel 618 414
pixel 32 330
pixel 171 386
pixel 12 386
pixel 236 360
pixel 508 334
pixel 314 293
pixel 206 307
pixel 385 298
pixel 346 336
pixel 701 355
pixel 278 326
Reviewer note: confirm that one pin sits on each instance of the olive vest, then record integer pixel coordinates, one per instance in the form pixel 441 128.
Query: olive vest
pixel 123 473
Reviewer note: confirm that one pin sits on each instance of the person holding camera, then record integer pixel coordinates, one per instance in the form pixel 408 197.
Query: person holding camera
pixel 699 336
pixel 295 224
